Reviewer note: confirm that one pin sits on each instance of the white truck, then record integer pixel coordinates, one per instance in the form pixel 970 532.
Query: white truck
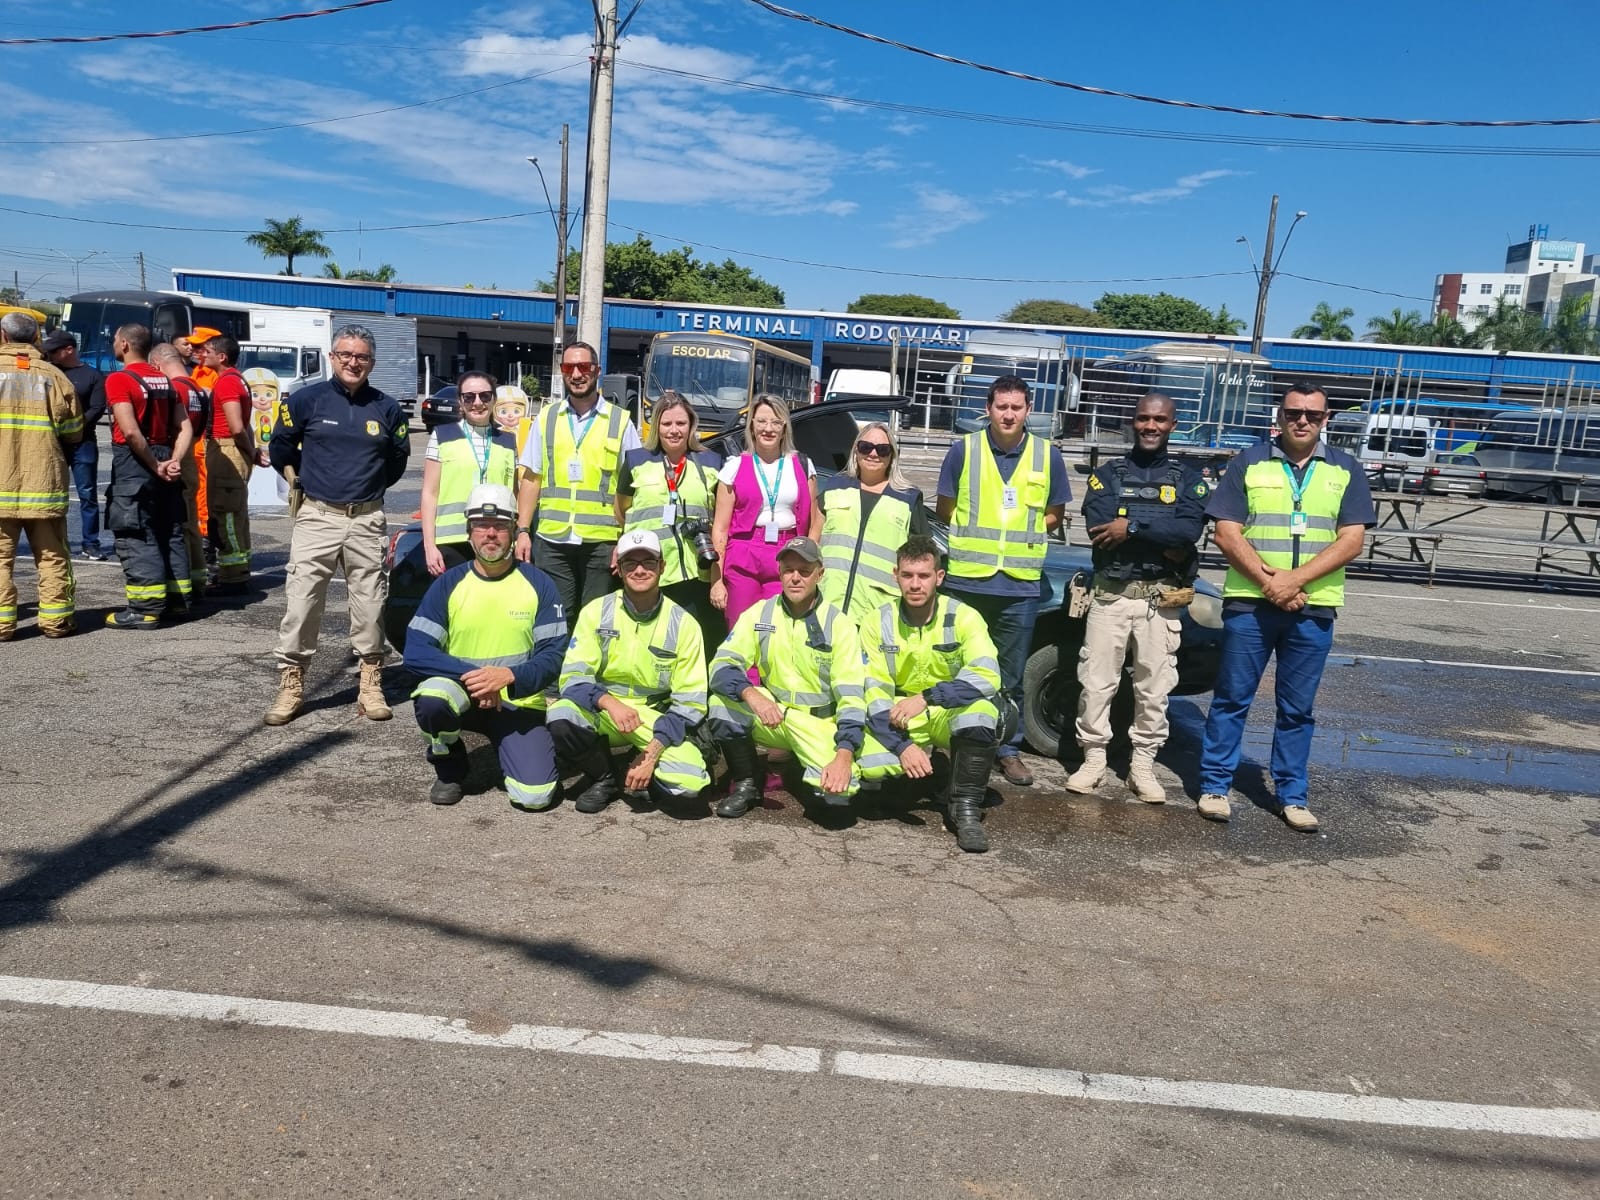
pixel 294 344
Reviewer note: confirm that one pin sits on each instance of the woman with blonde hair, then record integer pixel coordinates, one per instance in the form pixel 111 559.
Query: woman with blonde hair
pixel 768 495
pixel 867 514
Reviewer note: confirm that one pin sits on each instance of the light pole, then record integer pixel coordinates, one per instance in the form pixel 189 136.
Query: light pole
pixel 1267 269
pixel 558 328
pixel 77 267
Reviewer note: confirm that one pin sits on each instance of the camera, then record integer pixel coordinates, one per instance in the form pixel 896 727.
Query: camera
pixel 698 534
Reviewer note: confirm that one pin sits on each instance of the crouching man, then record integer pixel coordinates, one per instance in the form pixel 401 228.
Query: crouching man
pixel 808 691
pixel 634 675
pixel 933 680
pixel 487 640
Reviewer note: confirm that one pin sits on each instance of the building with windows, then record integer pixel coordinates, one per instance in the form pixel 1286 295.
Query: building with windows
pixel 1539 274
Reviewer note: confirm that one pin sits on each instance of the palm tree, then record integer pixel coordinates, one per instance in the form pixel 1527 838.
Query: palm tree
pixel 1572 333
pixel 1445 330
pixel 1400 328
pixel 1328 324
pixel 291 240
pixel 384 274
pixel 1508 326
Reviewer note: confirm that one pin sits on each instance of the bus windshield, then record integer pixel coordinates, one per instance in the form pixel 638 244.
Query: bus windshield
pixel 706 374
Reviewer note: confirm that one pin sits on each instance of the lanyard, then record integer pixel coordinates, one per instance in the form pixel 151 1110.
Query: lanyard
pixel 776 486
pixel 1298 490
pixel 574 425
pixel 675 477
pixel 481 459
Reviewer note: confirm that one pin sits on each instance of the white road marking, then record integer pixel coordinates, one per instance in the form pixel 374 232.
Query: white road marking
pixel 1528 606
pixel 1568 1123
pixel 1477 666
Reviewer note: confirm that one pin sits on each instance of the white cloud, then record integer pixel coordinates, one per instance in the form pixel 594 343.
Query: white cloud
pixel 1113 194
pixel 937 213
pixel 1070 169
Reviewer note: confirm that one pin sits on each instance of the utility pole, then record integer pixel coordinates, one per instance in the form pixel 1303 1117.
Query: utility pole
pixel 597 188
pixel 1264 280
pixel 141 271
pixel 558 343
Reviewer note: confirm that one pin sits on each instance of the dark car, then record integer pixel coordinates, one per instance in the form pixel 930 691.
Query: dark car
pixel 1447 475
pixel 441 408
pixel 825 433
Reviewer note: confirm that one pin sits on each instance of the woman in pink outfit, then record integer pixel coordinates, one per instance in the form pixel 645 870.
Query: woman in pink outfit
pixel 768 495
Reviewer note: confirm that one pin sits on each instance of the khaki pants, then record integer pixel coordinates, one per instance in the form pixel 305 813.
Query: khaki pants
pixel 193 539
pixel 228 509
pixel 47 537
pixel 326 538
pixel 1119 625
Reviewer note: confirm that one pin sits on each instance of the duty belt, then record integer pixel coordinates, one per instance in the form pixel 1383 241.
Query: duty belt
pixel 1135 589
pixel 360 508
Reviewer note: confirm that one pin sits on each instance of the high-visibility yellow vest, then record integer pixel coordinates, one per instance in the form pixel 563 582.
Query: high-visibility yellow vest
pixel 497 623
pixel 651 500
pixel 660 662
pixel 954 644
pixel 812 662
pixel 461 470
pixel 861 582
pixel 584 504
pixel 985 535
pixel 1270 527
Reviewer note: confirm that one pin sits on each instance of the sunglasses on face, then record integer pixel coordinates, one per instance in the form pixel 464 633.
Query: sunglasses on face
pixel 1310 416
pixel 587 368
pixel 629 565
pixel 875 449
pixel 480 397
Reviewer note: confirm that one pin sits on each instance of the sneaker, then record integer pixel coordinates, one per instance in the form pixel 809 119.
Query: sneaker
pixel 128 619
pixel 1298 816
pixel 88 555
pixel 443 792
pixel 1214 806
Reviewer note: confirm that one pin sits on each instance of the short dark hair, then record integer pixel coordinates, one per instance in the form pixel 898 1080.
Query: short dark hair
pixel 226 346
pixel 918 546
pixel 1302 387
pixel 137 336
pixel 1162 397
pixel 594 354
pixel 1009 383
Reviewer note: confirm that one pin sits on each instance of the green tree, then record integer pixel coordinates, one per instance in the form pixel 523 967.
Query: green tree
pixel 1053 312
pixel 384 274
pixel 289 240
pixel 1445 330
pixel 1162 311
pixel 636 270
pixel 10 295
pixel 904 304
pixel 1227 322
pixel 1572 333
pixel 1508 326
pixel 1328 324
pixel 1402 328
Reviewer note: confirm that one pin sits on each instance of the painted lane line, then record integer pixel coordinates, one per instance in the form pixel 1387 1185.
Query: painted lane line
pixel 1224 1097
pixel 1529 606
pixel 1567 1123
pixel 1353 658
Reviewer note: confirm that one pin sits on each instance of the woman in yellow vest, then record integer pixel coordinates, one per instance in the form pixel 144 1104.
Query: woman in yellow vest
pixel 461 456
pixel 867 514
pixel 669 486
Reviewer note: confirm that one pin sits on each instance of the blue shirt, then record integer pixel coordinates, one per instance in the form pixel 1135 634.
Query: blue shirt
pixel 347 449
pixel 955 460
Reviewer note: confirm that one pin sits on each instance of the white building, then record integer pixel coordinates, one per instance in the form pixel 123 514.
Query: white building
pixel 1539 273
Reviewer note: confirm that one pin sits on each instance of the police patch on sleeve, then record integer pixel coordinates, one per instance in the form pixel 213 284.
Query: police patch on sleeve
pixel 1094 484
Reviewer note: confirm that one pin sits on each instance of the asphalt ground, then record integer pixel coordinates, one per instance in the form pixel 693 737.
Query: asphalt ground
pixel 309 980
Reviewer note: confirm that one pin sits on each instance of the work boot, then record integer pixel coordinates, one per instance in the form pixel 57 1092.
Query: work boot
pixel 602 790
pixel 130 619
pixel 445 792
pixel 1142 778
pixel 743 791
pixel 969 777
pixel 1012 770
pixel 66 629
pixel 369 700
pixel 1087 777
pixel 291 695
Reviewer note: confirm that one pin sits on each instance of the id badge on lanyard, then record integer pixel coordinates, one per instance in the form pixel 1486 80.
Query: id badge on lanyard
pixel 1298 524
pixel 1008 498
pixel 574 470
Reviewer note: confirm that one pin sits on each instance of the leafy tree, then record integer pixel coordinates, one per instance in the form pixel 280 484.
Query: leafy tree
pixel 10 295
pixel 1445 330
pixel 1227 322
pixel 1402 328
pixel 905 304
pixel 289 240
pixel 1164 311
pixel 1509 326
pixel 384 274
pixel 1053 312
pixel 532 388
pixel 637 270
pixel 1571 333
pixel 1328 324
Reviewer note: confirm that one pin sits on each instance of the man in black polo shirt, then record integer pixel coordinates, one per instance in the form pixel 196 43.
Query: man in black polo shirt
pixel 60 349
pixel 348 443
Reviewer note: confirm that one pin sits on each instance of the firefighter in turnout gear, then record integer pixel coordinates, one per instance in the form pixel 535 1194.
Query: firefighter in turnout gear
pixel 810 691
pixel 487 640
pixel 933 680
pixel 634 675
pixel 1143 514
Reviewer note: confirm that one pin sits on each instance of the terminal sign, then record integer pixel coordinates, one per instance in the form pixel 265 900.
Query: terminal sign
pixel 750 324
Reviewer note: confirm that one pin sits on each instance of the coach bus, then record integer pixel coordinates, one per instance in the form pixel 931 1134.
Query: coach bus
pixel 1224 396
pixel 719 373
pixel 94 317
pixel 1552 452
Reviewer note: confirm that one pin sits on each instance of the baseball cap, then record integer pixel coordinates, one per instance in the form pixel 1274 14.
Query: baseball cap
pixel 203 333
pixel 58 339
pixel 491 500
pixel 802 548
pixel 638 539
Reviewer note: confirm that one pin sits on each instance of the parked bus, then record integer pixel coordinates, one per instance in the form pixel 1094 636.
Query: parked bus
pixel 1224 396
pixel 719 373
pixel 1457 424
pixel 1551 452
pixel 94 317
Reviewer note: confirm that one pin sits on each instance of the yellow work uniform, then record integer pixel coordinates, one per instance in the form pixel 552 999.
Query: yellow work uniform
pixel 999 526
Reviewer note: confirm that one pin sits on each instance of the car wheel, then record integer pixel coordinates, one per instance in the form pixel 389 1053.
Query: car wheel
pixel 1050 703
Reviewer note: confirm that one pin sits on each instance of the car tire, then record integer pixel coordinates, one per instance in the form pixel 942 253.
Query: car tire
pixel 1050 704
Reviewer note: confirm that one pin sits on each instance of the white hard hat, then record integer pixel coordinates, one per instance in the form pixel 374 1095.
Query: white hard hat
pixel 638 539
pixel 491 500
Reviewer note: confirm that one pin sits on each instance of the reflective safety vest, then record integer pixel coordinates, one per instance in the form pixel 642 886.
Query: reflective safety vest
pixel 461 470
pixel 651 501
pixel 986 536
pixel 860 559
pixel 1271 528
pixel 496 623
pixel 583 503
pixel 660 663
pixel 954 644
pixel 812 663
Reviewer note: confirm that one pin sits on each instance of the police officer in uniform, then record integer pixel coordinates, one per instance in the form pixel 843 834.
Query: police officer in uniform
pixel 1143 513
pixel 487 640
pixel 634 675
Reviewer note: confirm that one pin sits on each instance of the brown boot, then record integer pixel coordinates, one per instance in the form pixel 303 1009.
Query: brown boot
pixel 369 700
pixel 291 695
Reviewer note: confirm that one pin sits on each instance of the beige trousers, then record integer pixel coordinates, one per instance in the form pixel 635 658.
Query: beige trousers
pixel 47 536
pixel 325 538
pixel 228 509
pixel 1119 627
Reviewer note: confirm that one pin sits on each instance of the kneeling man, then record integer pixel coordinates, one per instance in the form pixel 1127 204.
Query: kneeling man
pixel 487 640
pixel 635 675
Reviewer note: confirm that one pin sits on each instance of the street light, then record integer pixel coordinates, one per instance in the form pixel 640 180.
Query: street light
pixel 558 328
pixel 1268 268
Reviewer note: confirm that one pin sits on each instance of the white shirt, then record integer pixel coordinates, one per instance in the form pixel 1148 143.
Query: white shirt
pixel 788 485
pixel 533 452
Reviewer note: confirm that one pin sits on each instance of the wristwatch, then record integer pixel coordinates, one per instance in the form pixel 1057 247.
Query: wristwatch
pixel 1133 528
pixel 524 528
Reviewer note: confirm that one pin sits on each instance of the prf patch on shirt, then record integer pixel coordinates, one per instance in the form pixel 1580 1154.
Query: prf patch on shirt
pixel 372 429
pixel 1169 494
pixel 1095 484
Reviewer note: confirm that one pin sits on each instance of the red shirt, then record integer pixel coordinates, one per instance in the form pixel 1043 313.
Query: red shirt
pixel 229 385
pixel 159 425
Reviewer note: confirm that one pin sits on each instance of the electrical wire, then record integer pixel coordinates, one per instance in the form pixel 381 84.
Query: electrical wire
pixel 87 39
pixel 1090 89
pixel 1352 287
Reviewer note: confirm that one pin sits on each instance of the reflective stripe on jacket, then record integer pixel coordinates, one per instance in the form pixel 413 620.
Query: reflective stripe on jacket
pixel 985 535
pixel 460 472
pixel 584 506
pixel 696 498
pixel 861 583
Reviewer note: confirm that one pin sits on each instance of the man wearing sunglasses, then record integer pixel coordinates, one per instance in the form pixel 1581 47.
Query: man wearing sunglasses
pixel 568 472
pixel 1290 514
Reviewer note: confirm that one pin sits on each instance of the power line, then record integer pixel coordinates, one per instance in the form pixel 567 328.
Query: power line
pixel 1354 287
pixel 1090 89
pixel 168 33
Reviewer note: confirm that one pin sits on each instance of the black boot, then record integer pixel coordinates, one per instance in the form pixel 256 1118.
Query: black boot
pixel 969 776
pixel 744 793
pixel 595 763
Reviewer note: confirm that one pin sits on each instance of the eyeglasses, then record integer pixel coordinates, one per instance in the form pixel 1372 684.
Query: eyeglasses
pixel 587 368
pixel 629 565
pixel 480 397
pixel 1311 416
pixel 346 356
pixel 877 449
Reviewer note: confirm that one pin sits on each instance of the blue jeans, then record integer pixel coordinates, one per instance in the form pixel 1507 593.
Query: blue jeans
pixel 85 467
pixel 1249 638
pixel 1010 620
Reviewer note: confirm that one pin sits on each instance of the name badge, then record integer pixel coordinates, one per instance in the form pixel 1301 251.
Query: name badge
pixel 670 514
pixel 574 470
pixel 1298 524
pixel 1008 498
pixel 771 531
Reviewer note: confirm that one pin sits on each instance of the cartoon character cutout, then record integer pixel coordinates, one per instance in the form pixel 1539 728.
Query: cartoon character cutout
pixel 265 400
pixel 511 413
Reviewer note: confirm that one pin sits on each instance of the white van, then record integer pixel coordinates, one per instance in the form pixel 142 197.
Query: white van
pixel 1384 439
pixel 855 381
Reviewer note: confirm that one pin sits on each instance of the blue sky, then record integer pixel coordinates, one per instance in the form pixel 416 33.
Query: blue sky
pixel 703 161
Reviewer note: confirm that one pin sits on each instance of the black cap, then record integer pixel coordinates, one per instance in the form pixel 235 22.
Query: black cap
pixel 58 339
